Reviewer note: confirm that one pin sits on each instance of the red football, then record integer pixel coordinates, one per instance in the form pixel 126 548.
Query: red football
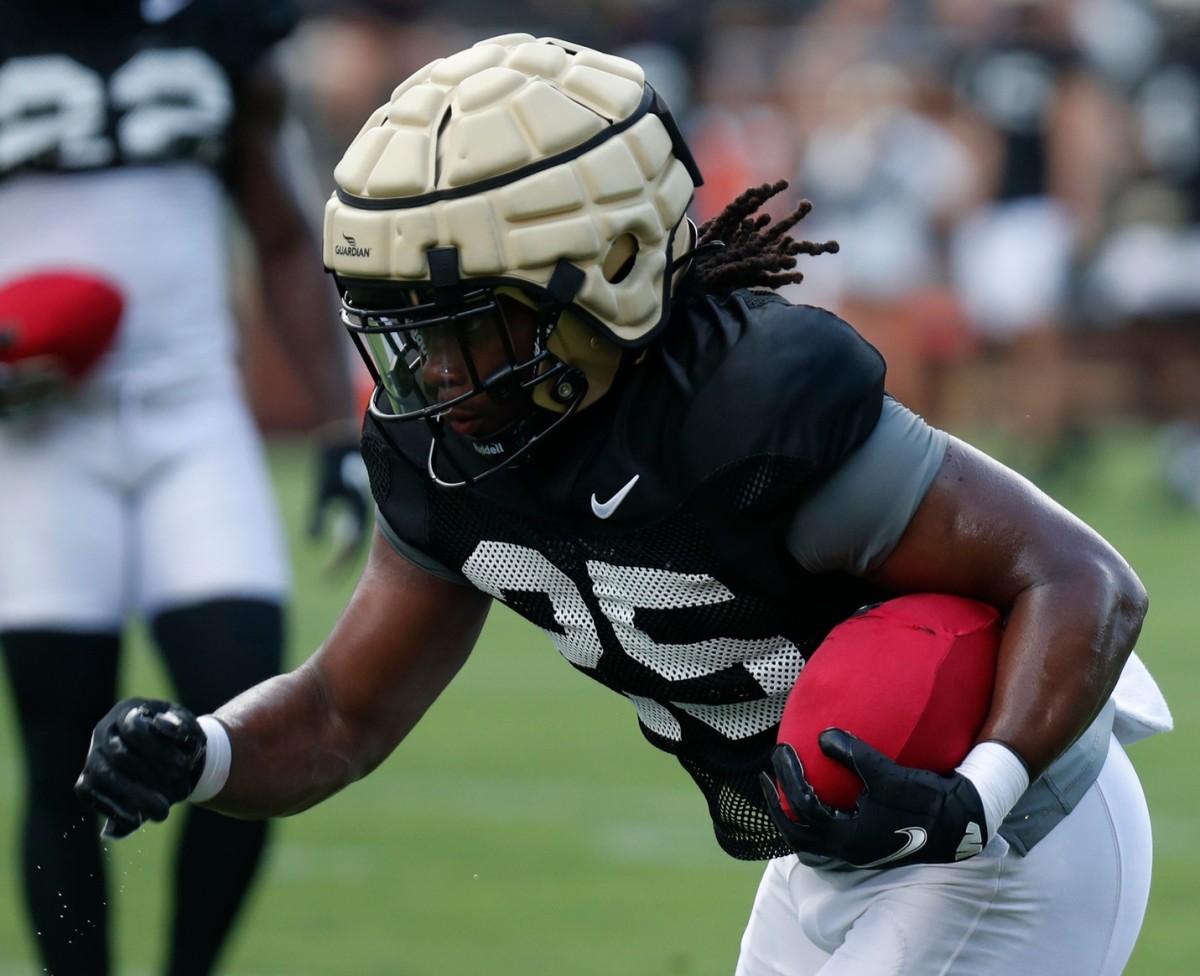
pixel 912 676
pixel 69 316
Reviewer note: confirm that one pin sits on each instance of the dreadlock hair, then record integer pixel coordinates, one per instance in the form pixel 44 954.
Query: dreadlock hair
pixel 736 249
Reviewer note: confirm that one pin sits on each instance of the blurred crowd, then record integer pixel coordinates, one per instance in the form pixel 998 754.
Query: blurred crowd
pixel 1015 184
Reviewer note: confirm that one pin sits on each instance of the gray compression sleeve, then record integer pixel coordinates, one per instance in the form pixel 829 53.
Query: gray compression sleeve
pixel 414 555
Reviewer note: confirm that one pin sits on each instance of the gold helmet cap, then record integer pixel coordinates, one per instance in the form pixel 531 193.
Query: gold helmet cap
pixel 522 153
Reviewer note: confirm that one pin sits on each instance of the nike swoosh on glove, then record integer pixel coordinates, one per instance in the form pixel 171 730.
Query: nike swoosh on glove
pixel 903 816
pixel 145 756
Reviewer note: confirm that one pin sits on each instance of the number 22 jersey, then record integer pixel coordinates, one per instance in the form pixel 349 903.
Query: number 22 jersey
pixel 115 123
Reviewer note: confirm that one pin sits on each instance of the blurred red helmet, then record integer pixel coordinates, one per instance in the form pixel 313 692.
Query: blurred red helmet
pixel 911 676
pixel 54 327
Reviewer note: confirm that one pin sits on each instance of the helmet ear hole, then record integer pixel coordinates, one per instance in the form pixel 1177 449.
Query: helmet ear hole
pixel 620 259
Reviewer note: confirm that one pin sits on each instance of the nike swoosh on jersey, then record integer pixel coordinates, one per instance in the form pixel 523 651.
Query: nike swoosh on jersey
pixel 916 840
pixel 605 509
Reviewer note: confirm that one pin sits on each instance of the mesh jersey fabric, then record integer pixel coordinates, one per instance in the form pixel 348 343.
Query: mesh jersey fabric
pixel 685 599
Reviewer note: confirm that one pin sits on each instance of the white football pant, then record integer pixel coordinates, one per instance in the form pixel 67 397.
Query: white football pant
pixel 1072 907
pixel 138 503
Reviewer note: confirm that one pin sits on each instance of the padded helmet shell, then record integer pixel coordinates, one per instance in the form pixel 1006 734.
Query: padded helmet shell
pixel 520 152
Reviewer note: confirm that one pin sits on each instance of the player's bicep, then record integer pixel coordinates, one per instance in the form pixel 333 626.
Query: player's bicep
pixel 982 530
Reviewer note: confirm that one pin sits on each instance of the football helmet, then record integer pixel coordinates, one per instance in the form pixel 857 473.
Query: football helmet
pixel 54 327
pixel 521 180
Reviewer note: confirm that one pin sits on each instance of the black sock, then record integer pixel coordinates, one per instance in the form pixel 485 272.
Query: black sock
pixel 63 684
pixel 213 651
pixel 217 860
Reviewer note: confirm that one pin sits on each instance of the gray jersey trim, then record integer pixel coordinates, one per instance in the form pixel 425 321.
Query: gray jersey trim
pixel 1055 793
pixel 416 557
pixel 855 519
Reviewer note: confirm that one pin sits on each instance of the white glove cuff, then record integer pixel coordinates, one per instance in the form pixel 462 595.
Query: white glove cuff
pixel 217 755
pixel 1000 778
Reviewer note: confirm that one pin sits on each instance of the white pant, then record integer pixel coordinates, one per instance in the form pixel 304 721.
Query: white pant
pixel 113 503
pixel 1011 266
pixel 1072 907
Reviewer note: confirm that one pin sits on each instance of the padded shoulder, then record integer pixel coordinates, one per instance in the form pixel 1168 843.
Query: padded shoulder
pixel 769 378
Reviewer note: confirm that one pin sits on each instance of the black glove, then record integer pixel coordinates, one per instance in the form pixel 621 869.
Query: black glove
pixel 29 386
pixel 341 483
pixel 145 756
pixel 903 816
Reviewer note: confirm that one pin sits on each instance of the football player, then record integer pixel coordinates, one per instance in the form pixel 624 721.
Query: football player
pixel 133 481
pixel 606 419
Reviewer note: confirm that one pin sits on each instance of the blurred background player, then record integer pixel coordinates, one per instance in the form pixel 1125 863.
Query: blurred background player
pixel 133 480
pixel 1045 151
pixel 1140 290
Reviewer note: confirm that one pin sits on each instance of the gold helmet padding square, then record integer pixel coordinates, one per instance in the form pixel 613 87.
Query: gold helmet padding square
pixel 520 152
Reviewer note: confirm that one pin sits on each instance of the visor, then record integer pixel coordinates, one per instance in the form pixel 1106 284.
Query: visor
pixel 413 350
pixel 454 360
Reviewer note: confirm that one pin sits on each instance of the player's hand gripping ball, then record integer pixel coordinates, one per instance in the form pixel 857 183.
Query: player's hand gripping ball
pixel 886 709
pixel 912 677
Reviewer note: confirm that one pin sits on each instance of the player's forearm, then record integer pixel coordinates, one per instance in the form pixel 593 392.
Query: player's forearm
pixel 289 748
pixel 1075 606
pixel 1063 650
pixel 300 737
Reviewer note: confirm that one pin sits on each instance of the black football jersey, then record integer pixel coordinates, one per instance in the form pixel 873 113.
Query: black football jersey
pixel 103 83
pixel 681 595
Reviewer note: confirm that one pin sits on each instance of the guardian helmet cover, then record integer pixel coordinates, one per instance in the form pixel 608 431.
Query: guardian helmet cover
pixel 525 190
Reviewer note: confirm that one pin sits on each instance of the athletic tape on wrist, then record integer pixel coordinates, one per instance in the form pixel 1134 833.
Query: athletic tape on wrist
pixel 999 776
pixel 217 755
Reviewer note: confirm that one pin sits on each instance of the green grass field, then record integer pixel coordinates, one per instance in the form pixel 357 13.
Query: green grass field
pixel 525 828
